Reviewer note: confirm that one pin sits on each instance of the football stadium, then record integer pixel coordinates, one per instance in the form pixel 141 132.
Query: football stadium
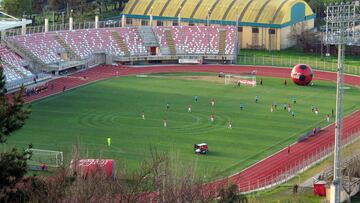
pixel 158 99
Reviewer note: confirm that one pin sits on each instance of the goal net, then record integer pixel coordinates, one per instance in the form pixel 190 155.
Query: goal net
pixel 241 79
pixel 48 157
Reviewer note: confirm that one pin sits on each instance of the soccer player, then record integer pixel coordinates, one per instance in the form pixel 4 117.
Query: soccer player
pixel 328 118
pixel 143 115
pixel 165 123
pixel 289 108
pixel 230 125
pixel 285 106
pixel 167 106
pixel 293 114
pixel 288 149
pixel 196 98
pixel 285 82
pixel 212 102
pixel 261 81
pixel 109 141
pixel 189 108
pixel 316 111
pixel 271 109
pixel 294 100
pixel 212 118
pixel 275 105
pixel 256 99
pixel 242 106
pixel 238 83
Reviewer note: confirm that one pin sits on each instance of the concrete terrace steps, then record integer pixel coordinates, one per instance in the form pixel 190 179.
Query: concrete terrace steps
pixel 222 41
pixel 148 35
pixel 69 51
pixel 170 42
pixel 120 41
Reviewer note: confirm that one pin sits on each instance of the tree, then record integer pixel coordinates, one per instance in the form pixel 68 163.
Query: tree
pixel 38 5
pixel 17 7
pixel 13 167
pixel 231 195
pixel 304 39
pixel 13 163
pixel 12 113
pixel 56 5
pixel 351 176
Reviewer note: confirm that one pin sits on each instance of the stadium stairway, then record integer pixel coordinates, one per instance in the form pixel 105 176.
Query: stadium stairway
pixel 148 36
pixel 69 51
pixel 170 42
pixel 222 43
pixel 120 41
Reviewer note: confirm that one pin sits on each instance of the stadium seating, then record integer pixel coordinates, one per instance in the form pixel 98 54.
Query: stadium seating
pixel 133 40
pixel 198 39
pixel 90 41
pixel 42 45
pixel 13 65
pixel 195 40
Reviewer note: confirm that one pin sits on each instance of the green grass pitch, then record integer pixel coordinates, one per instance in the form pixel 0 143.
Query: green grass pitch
pixel 112 108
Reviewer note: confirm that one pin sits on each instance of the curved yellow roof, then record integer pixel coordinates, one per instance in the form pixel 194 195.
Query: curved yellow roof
pixel 249 11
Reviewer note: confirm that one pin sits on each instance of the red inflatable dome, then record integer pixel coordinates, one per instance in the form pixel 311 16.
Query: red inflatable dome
pixel 302 74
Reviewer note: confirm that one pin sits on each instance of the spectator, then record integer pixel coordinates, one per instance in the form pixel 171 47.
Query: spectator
pixel 43 167
pixel 314 131
pixel 295 188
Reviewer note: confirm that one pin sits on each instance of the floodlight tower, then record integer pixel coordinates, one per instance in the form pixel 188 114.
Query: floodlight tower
pixel 342 28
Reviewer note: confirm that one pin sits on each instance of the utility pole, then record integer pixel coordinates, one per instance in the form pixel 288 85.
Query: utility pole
pixel 341 22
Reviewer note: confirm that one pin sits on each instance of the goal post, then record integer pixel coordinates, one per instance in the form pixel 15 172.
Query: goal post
pixel 48 157
pixel 242 79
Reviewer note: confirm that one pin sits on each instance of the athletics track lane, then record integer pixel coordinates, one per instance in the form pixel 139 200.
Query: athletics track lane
pixel 256 174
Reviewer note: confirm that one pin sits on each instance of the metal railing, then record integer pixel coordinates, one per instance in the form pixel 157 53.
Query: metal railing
pixel 290 171
pixel 324 64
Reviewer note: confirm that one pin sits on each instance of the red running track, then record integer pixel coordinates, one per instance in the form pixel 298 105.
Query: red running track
pixel 260 174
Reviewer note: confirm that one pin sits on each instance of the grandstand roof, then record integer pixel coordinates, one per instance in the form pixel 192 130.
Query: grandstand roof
pixel 276 12
pixel 8 21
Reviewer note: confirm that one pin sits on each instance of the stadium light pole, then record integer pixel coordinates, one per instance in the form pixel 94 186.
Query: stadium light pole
pixel 341 30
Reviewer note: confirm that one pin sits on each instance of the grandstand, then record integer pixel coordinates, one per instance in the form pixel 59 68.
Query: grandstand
pixel 14 66
pixel 59 51
pixel 263 24
pixel 26 56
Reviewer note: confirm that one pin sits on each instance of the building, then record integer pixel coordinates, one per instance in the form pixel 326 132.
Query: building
pixel 262 24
